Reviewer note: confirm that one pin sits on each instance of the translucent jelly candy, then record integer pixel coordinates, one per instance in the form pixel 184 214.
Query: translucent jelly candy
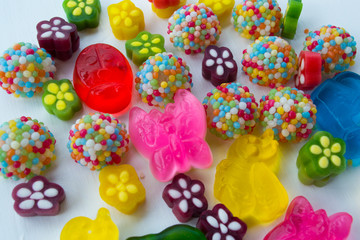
pixel 291 18
pixel 58 37
pixel 59 98
pixel 144 45
pixel 173 141
pixel 186 197
pixel 38 197
pixel 83 13
pixel 126 19
pixel 337 100
pixel 176 232
pixel 103 78
pixel 165 8
pixel 219 223
pixel 121 188
pixel 302 222
pixel 246 184
pixel 309 70
pixel 222 8
pixel 83 228
pixel 219 65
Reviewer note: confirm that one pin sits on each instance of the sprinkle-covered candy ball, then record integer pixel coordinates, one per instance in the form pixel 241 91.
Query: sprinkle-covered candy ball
pixel 24 68
pixel 193 27
pixel 26 148
pixel 231 110
pixel 97 140
pixel 269 61
pixel 253 19
pixel 336 46
pixel 289 113
pixel 160 77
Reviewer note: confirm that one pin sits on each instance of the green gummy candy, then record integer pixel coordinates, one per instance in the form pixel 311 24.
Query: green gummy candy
pixel 291 18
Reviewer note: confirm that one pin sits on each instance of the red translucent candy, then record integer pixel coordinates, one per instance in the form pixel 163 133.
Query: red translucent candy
pixel 103 78
pixel 161 4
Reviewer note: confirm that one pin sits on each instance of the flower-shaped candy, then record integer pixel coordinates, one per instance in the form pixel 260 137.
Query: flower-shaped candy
pixel 220 224
pixel 83 13
pixel 218 65
pixel 121 188
pixel 38 197
pixel 60 99
pixel 144 45
pixel 58 37
pixel 222 8
pixel 186 197
pixel 126 19
pixel 291 18
pixel 321 159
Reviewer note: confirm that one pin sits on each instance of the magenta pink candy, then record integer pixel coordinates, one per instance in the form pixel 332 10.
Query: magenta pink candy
pixel 173 141
pixel 302 222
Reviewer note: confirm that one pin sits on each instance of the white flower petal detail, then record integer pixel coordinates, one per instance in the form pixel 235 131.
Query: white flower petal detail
pixel 229 64
pixel 56 22
pixel 59 35
pixel 195 188
pixel 37 196
pixel 212 221
pixel 27 204
pixel 213 53
pixel 225 54
pixel 229 237
pixel 197 202
pixel 66 27
pixel 223 229
pixel 46 34
pixel 234 226
pixel 183 205
pixel 38 186
pixel 45 26
pixel 216 236
pixel 220 70
pixel 209 62
pixel 223 216
pixel 44 204
pixel 51 192
pixel 174 193
pixel 182 183
pixel 23 193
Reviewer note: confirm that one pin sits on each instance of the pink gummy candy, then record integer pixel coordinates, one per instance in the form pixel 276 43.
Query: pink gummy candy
pixel 301 222
pixel 173 141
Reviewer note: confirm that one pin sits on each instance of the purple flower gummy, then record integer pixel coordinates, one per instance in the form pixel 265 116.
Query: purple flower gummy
pixel 38 197
pixel 218 65
pixel 58 37
pixel 186 197
pixel 220 224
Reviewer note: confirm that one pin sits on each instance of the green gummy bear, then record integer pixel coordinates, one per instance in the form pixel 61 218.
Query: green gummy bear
pixel 321 159
pixel 176 232
pixel 60 99
pixel 291 18
pixel 143 46
pixel 83 13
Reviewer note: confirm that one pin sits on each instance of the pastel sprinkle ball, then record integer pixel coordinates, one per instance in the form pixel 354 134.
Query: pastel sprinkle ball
pixel 269 61
pixel 336 46
pixel 24 68
pixel 253 19
pixel 231 110
pixel 97 140
pixel 160 76
pixel 26 148
pixel 289 112
pixel 193 27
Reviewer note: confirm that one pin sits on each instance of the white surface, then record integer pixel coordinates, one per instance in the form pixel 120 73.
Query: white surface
pixel 18 21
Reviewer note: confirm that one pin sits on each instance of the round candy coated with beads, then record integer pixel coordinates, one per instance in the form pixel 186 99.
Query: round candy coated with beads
pixel 253 19
pixel 24 68
pixel 231 110
pixel 97 140
pixel 26 148
pixel 269 61
pixel 193 27
pixel 289 112
pixel 336 46
pixel 160 77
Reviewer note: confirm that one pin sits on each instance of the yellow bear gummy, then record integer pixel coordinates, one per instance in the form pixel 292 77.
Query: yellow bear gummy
pixel 245 181
pixel 83 228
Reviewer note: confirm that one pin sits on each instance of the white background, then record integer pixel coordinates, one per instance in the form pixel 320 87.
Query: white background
pixel 18 22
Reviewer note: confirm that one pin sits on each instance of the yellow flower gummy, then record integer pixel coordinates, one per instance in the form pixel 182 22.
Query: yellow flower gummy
pixel 222 8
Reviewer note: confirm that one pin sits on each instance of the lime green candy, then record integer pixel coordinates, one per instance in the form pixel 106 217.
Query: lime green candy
pixel 60 99
pixel 83 13
pixel 291 18
pixel 144 45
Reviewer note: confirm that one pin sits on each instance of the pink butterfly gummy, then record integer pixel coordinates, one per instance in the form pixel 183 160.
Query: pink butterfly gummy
pixel 302 222
pixel 173 141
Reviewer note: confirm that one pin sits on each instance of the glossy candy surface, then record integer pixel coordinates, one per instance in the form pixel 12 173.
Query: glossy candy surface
pixel 121 188
pixel 173 141
pixel 103 78
pixel 83 228
pixel 83 13
pixel 186 197
pixel 58 37
pixel 222 8
pixel 165 8
pixel 38 197
pixel 291 18
pixel 144 45
pixel 176 232
pixel 218 65
pixel 126 19
pixel 302 222
pixel 309 70
pixel 337 100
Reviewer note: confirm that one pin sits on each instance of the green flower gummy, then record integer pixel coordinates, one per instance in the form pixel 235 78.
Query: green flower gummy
pixel 321 159
pixel 291 18
pixel 143 46
pixel 60 99
pixel 83 13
